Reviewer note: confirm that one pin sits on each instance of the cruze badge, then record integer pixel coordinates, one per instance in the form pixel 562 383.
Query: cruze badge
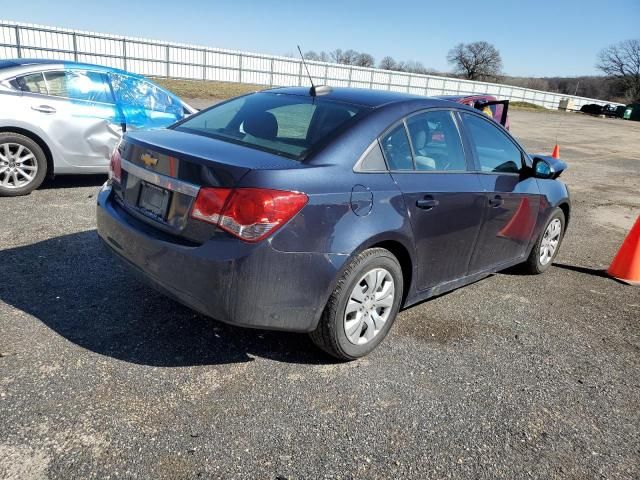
pixel 148 160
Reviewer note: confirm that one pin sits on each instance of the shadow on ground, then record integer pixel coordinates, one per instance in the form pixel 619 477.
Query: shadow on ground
pixel 73 181
pixel 73 285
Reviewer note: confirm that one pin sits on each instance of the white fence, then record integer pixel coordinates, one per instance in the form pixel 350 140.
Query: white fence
pixel 165 59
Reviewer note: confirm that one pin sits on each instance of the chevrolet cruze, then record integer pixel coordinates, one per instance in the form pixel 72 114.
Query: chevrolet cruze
pixel 328 210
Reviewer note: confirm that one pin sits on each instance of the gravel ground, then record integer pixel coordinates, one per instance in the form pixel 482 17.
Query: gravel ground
pixel 511 377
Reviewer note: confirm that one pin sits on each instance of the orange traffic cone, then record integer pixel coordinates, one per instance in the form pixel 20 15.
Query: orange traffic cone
pixel 626 263
pixel 556 151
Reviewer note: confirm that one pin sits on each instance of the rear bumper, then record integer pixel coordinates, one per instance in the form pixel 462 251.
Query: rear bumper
pixel 251 285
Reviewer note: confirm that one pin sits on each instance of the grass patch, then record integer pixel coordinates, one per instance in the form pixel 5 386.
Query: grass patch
pixel 526 106
pixel 205 88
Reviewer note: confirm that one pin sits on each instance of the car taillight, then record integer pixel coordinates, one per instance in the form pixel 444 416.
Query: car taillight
pixel 250 214
pixel 115 165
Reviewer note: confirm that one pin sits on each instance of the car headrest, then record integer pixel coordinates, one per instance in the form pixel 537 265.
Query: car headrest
pixel 419 139
pixel 262 125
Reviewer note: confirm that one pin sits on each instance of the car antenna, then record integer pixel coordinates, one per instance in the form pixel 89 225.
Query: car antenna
pixel 314 91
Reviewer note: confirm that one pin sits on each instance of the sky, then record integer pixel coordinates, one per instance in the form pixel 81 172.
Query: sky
pixel 535 38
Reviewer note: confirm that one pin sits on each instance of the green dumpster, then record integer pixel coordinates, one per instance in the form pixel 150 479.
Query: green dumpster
pixel 632 112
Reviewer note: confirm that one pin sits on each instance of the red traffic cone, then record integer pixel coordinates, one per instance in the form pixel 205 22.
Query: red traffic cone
pixel 556 151
pixel 626 264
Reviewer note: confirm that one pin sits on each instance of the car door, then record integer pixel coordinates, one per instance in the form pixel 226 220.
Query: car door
pixel 76 110
pixel 513 197
pixel 443 197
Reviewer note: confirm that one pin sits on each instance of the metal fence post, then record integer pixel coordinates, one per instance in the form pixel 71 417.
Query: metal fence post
pixel 124 54
pixel 204 65
pixel 239 68
pixel 371 80
pixel 350 73
pixel 167 56
pixel 75 47
pixel 271 73
pixel 18 46
pixel 326 74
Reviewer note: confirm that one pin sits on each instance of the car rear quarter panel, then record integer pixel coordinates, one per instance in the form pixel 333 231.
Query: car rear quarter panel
pixel 336 220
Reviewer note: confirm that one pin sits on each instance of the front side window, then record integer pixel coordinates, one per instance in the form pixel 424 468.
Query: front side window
pixel 436 142
pixel 288 125
pixel 495 152
pixel 134 92
pixel 79 85
pixel 141 104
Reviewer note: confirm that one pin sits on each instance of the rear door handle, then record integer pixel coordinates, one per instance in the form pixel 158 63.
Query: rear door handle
pixel 44 109
pixel 427 203
pixel 496 201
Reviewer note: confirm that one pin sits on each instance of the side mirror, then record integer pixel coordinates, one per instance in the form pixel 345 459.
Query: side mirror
pixel 542 168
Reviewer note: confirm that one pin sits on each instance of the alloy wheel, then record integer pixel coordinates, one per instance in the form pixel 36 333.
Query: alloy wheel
pixel 550 241
pixel 18 165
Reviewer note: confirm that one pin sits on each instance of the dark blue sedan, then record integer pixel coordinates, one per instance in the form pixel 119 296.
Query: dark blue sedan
pixel 291 210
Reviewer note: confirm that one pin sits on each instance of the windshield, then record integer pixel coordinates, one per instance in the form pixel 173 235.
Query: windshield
pixel 287 125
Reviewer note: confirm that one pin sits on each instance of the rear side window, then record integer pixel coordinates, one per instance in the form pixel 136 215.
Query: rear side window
pixel 494 150
pixel 436 142
pixel 397 149
pixel 79 85
pixel 373 161
pixel 287 125
pixel 32 83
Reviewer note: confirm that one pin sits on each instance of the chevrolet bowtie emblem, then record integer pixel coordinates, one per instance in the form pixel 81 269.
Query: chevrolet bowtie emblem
pixel 148 160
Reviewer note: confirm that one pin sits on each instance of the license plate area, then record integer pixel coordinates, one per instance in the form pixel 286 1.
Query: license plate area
pixel 153 201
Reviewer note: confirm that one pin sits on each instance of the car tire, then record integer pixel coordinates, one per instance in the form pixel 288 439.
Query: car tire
pixel 376 313
pixel 31 159
pixel 537 263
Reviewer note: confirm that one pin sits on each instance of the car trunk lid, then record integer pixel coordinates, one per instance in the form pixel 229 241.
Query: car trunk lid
pixel 163 170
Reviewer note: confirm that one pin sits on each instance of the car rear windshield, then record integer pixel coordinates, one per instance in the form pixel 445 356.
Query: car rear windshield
pixel 288 125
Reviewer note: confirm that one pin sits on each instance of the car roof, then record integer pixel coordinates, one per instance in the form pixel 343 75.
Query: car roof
pixel 360 96
pixel 457 98
pixel 27 62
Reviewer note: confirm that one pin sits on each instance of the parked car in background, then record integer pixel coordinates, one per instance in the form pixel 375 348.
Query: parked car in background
pixel 327 214
pixel 66 118
pixel 487 104
pixel 632 111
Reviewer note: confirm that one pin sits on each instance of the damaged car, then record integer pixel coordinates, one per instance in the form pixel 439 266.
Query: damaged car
pixel 327 210
pixel 66 118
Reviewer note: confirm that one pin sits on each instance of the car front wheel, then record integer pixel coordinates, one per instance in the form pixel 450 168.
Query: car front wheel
pixel 363 306
pixel 547 245
pixel 23 165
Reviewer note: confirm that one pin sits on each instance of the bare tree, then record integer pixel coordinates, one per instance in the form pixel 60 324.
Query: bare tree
pixel 364 60
pixel 311 55
pixel 349 57
pixel 622 61
pixel 476 61
pixel 388 63
pixel 336 55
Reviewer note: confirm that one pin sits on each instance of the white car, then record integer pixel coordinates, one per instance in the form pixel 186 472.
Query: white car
pixel 67 117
